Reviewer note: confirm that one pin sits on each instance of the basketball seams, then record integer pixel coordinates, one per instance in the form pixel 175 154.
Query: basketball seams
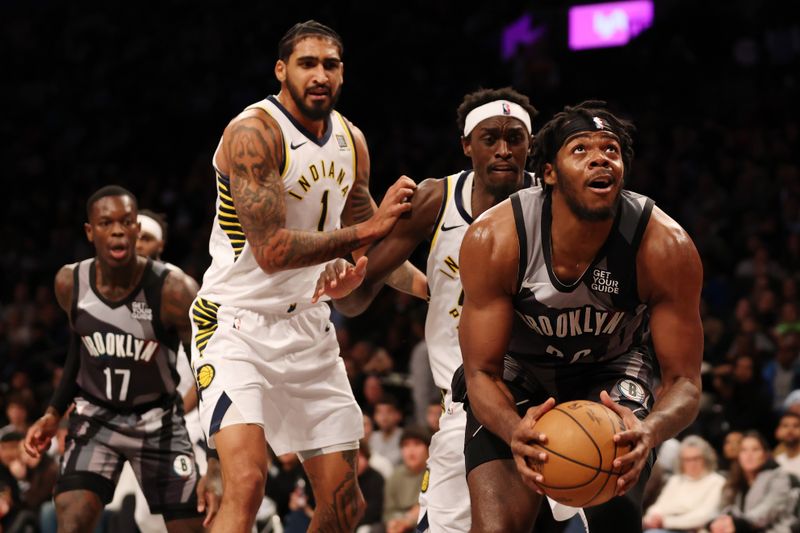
pixel 597 470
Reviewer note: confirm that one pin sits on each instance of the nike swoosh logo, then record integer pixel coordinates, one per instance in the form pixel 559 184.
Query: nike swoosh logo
pixel 296 146
pixel 446 228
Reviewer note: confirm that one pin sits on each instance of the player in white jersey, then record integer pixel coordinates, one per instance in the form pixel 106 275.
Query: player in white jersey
pixel 291 172
pixel 496 126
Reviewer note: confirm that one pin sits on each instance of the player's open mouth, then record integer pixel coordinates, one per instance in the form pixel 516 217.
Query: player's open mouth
pixel 319 92
pixel 602 184
pixel 119 251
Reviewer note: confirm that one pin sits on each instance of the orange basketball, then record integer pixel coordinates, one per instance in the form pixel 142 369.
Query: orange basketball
pixel 580 450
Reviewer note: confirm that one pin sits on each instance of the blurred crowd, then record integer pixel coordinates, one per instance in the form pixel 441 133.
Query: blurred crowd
pixel 97 99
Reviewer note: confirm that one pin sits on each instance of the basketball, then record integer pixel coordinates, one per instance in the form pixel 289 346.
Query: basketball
pixel 580 451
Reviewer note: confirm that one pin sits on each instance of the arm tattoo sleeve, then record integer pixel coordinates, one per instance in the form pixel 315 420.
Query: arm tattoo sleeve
pixel 253 150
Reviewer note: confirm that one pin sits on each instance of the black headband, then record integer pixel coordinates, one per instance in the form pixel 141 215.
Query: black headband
pixel 582 123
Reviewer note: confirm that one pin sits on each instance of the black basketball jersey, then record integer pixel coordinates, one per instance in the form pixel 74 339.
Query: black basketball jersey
pixel 595 319
pixel 127 359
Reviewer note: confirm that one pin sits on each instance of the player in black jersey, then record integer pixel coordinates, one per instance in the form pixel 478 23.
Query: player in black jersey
pixel 576 282
pixel 127 314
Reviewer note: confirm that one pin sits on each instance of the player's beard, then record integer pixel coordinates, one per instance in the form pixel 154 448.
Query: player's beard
pixel 582 211
pixel 318 112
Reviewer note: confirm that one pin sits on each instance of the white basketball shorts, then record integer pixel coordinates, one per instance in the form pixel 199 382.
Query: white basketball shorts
pixel 282 372
pixel 444 495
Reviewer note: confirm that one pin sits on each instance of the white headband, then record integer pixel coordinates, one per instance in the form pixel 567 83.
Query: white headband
pixel 498 108
pixel 149 225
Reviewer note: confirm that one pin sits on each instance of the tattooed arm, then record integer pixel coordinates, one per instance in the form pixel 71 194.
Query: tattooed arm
pixel 252 156
pixel 177 295
pixel 360 206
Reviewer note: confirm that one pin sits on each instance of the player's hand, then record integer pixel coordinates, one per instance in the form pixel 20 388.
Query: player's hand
pixel 209 492
pixel 395 203
pixel 340 278
pixel 636 435
pixel 528 459
pixel 40 434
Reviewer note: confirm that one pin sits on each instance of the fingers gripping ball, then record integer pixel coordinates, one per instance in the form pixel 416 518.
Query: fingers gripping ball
pixel 580 451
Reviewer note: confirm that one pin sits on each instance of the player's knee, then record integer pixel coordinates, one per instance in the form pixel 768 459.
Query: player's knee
pixel 245 484
pixel 347 509
pixel 71 520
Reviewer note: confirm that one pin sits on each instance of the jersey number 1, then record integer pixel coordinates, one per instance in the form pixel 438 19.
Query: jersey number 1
pixel 324 214
pixel 126 380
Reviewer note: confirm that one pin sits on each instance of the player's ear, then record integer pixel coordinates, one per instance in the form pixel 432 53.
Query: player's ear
pixel 89 233
pixel 466 146
pixel 549 174
pixel 280 70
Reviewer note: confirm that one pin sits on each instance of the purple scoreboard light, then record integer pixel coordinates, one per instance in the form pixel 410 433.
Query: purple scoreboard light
pixel 611 24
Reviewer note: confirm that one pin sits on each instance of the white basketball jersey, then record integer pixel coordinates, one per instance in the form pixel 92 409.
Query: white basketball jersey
pixel 317 177
pixel 444 282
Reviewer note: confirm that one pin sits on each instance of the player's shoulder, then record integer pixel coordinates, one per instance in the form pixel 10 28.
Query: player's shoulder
pixel 494 229
pixel 175 278
pixel 64 285
pixel 664 237
pixel 358 136
pixel 255 118
pixel 667 253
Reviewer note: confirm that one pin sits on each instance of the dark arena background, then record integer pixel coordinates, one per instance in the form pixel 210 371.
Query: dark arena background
pixel 138 94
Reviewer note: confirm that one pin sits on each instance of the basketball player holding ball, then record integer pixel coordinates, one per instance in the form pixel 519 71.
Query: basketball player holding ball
pixel 592 292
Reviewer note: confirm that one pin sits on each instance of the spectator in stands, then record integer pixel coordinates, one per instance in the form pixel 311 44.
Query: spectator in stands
pixel 730 450
pixel 376 461
pixel 787 453
pixel 17 411
pixel 758 496
pixel 401 507
pixel 386 441
pixel 782 374
pixel 691 497
pixel 372 485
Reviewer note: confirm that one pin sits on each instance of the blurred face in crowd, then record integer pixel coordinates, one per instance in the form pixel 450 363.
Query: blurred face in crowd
pixel 743 369
pixel 387 417
pixel 17 414
pixel 788 431
pixel 752 455
pixel 373 390
pixel 9 451
pixel 415 454
pixel 313 75
pixel 693 463
pixel 588 172
pixel 730 449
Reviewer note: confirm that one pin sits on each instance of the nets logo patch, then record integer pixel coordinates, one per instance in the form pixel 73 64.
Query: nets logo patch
pixel 205 375
pixel 631 390
pixel 183 465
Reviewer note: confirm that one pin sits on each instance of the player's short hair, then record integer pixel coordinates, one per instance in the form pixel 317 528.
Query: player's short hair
pixel 108 190
pixel 484 96
pixel 549 138
pixel 160 218
pixel 301 30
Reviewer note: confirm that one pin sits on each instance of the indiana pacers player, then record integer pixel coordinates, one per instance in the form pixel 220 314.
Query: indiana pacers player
pixel 291 172
pixel 496 126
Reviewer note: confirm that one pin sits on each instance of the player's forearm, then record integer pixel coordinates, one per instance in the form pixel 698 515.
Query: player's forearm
pixel 490 402
pixel 359 300
pixel 677 406
pixel 408 279
pixel 288 249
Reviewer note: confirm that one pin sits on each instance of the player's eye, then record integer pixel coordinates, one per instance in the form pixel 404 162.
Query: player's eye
pixel 578 148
